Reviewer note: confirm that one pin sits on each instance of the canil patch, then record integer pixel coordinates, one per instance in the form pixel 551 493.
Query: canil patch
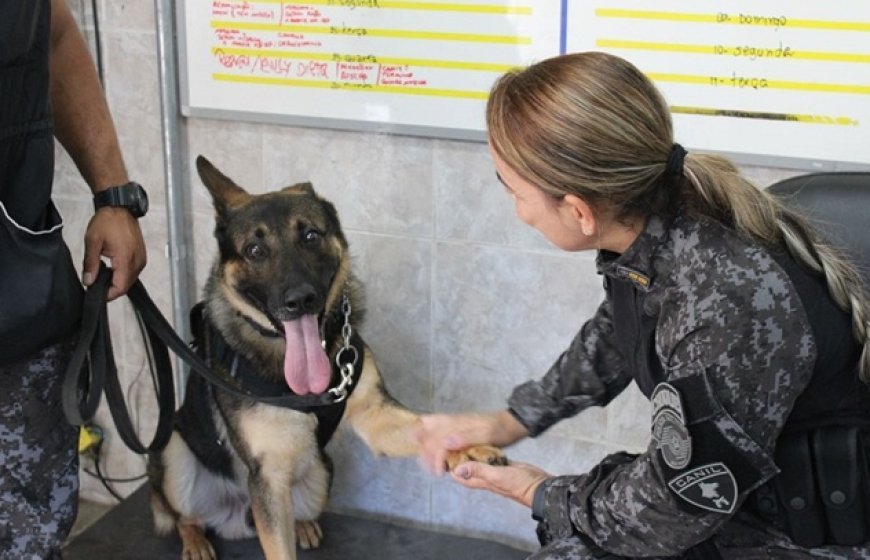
pixel 711 487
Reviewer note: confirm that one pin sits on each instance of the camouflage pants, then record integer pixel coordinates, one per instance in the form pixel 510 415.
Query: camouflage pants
pixel 38 458
pixel 571 548
pixel 575 548
pixel 742 538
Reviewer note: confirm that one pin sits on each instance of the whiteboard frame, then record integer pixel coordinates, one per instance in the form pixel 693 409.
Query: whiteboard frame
pixel 380 127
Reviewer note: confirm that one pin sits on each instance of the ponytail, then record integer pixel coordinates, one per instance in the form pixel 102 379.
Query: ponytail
pixel 717 189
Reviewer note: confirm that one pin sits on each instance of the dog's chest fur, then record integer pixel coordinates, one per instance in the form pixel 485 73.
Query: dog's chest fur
pixel 271 437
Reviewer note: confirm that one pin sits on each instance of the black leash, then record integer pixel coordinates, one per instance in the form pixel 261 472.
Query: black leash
pixel 83 386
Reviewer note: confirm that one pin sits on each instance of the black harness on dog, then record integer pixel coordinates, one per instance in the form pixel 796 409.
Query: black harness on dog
pixel 196 421
pixel 213 348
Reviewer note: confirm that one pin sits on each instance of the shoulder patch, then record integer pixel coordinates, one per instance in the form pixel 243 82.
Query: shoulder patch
pixel 669 427
pixel 711 487
pixel 666 397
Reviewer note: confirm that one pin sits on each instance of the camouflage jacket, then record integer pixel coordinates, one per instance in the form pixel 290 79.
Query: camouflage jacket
pixel 721 342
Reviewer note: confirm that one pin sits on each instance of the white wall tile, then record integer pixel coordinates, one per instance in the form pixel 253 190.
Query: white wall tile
pixel 132 90
pixel 378 183
pixel 387 487
pixel 396 275
pixel 236 149
pixel 471 204
pixel 502 317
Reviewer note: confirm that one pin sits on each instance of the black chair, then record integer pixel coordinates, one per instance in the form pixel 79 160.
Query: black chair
pixel 838 204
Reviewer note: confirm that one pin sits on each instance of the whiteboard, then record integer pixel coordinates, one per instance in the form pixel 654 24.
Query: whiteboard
pixel 782 82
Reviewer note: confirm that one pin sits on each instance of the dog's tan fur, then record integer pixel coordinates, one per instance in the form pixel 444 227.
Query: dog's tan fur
pixel 276 464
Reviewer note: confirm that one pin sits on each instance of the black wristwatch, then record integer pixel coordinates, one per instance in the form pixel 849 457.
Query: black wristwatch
pixel 130 196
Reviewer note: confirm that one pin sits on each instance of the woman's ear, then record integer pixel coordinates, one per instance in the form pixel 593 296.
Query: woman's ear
pixel 582 212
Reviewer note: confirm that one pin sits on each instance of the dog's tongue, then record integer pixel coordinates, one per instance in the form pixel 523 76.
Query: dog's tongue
pixel 306 365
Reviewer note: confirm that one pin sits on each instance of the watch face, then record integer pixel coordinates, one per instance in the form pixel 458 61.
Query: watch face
pixel 141 206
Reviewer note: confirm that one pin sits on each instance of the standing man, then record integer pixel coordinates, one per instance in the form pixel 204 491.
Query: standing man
pixel 49 87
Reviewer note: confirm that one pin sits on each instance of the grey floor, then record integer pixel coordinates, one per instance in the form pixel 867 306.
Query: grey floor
pixel 124 532
pixel 89 513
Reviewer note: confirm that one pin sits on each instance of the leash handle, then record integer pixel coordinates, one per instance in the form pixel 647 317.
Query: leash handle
pixel 82 386
pixel 78 380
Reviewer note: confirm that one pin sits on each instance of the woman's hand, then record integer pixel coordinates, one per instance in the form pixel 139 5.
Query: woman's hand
pixel 517 481
pixel 439 434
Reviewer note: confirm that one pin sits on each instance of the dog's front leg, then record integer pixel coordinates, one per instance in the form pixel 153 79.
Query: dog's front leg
pixel 384 424
pixel 272 506
pixel 390 429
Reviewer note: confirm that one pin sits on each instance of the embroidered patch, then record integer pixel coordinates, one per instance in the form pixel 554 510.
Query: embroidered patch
pixel 711 487
pixel 674 440
pixel 669 427
pixel 637 278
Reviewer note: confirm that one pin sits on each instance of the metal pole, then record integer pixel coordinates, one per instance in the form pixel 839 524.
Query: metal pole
pixel 172 156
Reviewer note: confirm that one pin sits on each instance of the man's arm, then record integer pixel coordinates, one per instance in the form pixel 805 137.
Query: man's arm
pixel 83 124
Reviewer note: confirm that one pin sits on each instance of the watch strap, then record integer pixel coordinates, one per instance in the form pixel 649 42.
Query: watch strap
pixel 129 195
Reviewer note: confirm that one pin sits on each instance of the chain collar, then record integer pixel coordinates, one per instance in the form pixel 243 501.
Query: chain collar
pixel 348 352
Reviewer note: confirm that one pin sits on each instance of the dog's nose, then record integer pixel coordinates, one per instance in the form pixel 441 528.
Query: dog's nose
pixel 301 300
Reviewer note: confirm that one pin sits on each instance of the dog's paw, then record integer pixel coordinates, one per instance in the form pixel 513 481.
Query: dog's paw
pixel 480 453
pixel 308 534
pixel 194 543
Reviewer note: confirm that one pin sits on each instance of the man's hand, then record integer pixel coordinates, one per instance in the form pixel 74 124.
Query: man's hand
pixel 114 233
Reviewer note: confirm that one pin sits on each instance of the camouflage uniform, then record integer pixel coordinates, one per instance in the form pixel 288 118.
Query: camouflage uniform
pixel 38 458
pixel 724 336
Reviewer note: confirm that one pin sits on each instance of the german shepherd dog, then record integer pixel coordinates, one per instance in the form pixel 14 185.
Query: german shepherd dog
pixel 280 304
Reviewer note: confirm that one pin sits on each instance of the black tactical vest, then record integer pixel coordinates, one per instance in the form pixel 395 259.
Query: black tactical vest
pixel 40 296
pixel 834 395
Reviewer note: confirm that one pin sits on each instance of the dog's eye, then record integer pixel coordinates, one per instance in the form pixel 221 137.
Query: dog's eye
pixel 311 235
pixel 254 251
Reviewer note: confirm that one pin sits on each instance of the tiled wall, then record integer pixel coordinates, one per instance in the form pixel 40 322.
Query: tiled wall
pixel 464 301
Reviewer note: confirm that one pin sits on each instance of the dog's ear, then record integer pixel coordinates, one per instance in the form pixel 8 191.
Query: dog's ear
pixel 301 188
pixel 224 192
